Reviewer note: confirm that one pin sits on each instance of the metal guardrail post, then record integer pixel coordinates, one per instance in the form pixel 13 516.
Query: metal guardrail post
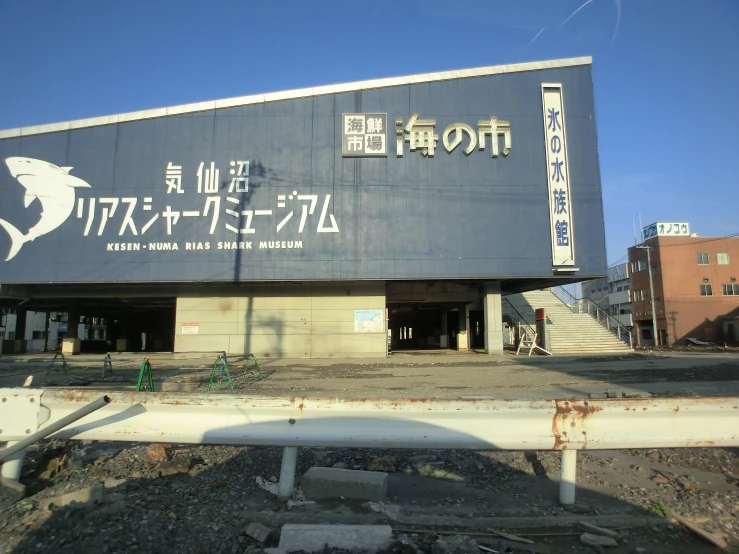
pixel 568 477
pixel 12 467
pixel 380 423
pixel 287 473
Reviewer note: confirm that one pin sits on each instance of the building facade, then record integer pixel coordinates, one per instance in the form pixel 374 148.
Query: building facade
pixel 330 221
pixel 612 293
pixel 695 289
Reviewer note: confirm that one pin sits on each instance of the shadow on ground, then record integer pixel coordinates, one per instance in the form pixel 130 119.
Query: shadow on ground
pixel 202 498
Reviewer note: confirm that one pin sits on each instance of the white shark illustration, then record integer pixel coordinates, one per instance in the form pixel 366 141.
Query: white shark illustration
pixel 51 185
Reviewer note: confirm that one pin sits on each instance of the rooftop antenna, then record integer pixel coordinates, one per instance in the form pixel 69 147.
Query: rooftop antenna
pixel 641 229
pixel 633 226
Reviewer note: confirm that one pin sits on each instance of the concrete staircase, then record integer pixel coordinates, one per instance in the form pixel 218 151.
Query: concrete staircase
pixel 570 332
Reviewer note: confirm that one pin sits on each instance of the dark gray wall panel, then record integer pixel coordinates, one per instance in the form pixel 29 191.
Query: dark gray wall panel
pixel 451 216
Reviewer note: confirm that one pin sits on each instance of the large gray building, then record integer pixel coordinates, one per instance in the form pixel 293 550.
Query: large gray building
pixel 313 222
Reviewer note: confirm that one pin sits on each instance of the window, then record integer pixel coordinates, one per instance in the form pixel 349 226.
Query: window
pixel 11 335
pixel 37 335
pixel 655 270
pixel 702 258
pixel 730 289
pixel 641 295
pixel 640 265
pixel 722 258
pixel 706 290
pixel 657 301
pixel 627 287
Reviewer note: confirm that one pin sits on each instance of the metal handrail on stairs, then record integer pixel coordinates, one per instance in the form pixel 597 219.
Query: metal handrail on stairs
pixel 585 305
pixel 531 331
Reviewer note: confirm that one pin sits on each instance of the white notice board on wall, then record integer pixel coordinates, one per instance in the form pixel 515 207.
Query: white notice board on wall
pixel 369 321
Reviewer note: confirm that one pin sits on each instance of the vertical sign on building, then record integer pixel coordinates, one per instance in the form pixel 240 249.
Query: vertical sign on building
pixel 558 173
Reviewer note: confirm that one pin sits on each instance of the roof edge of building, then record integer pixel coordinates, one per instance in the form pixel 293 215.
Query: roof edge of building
pixel 293 94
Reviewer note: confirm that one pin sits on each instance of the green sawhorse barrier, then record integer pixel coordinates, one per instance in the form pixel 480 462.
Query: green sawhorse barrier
pixel 254 372
pixel 220 366
pixel 55 366
pixel 107 365
pixel 146 379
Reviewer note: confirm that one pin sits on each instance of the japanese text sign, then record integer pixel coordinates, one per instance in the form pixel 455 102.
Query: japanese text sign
pixel 558 174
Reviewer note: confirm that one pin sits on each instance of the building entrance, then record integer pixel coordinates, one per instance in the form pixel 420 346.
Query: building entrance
pixel 422 326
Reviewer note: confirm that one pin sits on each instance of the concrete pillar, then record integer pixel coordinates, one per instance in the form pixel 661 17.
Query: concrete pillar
pixel 73 322
pixel 493 319
pixel 444 338
pixel 287 473
pixel 20 332
pixel 71 342
pixel 464 324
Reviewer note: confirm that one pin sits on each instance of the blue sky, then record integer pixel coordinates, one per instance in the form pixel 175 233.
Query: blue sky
pixel 666 73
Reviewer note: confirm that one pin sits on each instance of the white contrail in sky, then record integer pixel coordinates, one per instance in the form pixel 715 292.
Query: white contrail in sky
pixel 573 13
pixel 618 18
pixel 537 36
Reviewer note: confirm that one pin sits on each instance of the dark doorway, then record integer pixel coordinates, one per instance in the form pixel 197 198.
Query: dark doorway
pixel 477 329
pixel 120 325
pixel 422 326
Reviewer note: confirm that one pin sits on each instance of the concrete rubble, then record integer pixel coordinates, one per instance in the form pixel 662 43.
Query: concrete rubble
pixel 258 532
pixel 83 498
pixel 456 544
pixel 324 482
pixel 597 540
pixel 210 507
pixel 316 538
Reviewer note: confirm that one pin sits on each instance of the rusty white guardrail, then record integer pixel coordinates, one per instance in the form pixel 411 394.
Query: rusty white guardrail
pixel 566 425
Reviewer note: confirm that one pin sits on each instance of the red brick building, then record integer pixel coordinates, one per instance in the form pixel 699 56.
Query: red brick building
pixel 696 289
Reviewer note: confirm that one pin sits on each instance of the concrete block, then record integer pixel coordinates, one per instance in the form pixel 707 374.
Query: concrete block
pixel 328 482
pixel 258 532
pixel 115 484
pixel 70 346
pixel 597 540
pixel 87 498
pixel 314 538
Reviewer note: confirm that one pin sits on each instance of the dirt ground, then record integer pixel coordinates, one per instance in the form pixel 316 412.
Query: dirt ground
pixel 440 375
pixel 202 498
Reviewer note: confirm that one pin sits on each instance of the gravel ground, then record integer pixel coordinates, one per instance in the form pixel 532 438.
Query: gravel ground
pixel 202 498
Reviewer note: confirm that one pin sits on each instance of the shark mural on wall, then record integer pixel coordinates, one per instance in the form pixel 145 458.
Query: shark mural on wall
pixel 51 185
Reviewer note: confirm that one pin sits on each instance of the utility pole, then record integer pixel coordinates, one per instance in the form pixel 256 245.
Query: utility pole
pixel 651 293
